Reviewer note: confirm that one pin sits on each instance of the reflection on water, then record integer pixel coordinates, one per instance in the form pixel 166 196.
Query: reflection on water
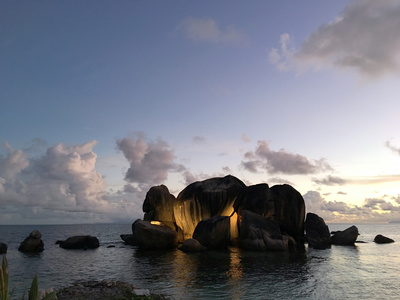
pixel 366 271
pixel 230 274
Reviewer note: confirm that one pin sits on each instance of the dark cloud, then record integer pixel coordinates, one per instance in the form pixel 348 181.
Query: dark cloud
pixel 275 162
pixel 150 162
pixel 199 139
pixel 365 37
pixel 330 180
pixel 395 149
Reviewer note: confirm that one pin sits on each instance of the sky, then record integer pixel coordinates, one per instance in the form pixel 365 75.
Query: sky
pixel 101 100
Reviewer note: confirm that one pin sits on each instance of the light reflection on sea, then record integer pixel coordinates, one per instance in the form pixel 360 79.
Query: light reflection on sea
pixel 367 270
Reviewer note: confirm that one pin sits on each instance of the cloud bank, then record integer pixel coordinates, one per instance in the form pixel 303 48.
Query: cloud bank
pixel 365 37
pixel 283 162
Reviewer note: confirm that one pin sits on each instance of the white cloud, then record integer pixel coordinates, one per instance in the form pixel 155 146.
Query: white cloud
pixel 62 181
pixel 274 162
pixel 207 30
pixel 364 38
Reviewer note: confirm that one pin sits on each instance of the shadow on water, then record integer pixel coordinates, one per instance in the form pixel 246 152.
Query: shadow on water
pixel 229 274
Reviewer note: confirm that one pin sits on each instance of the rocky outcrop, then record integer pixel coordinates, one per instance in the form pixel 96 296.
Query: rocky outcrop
pixel 192 245
pixel 33 243
pixel 3 248
pixel 346 237
pixel 80 242
pixel 205 199
pixel 257 232
pixel 159 206
pixel 380 239
pixel 280 203
pixel 213 233
pixel 154 236
pixel 317 232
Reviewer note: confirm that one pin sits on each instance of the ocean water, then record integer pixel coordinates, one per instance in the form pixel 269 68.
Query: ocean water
pixel 365 271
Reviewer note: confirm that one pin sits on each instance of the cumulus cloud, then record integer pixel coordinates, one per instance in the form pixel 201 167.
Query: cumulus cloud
pixel 364 38
pixel 150 162
pixel 207 30
pixel 62 181
pixel 274 162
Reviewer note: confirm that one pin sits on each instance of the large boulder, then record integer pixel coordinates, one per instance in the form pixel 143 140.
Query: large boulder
pixel 205 199
pixel 346 237
pixel 280 203
pixel 80 242
pixel 317 232
pixel 159 206
pixel 32 243
pixel 213 233
pixel 154 236
pixel 380 239
pixel 257 232
pixel 192 245
pixel 3 248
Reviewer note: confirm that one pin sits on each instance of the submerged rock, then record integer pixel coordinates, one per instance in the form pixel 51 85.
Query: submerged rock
pixel 80 242
pixel 380 239
pixel 317 232
pixel 33 243
pixel 154 236
pixel 346 237
pixel 213 233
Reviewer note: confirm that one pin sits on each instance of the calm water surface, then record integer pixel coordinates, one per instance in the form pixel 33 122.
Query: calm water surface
pixel 366 271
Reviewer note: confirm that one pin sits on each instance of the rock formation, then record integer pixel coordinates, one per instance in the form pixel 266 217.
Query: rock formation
pixel 159 206
pixel 129 239
pixel 154 236
pixel 33 243
pixel 3 248
pixel 214 233
pixel 380 239
pixel 80 242
pixel 212 211
pixel 346 237
pixel 205 199
pixel 317 232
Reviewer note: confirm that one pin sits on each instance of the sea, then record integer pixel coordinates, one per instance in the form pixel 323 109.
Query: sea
pixel 364 271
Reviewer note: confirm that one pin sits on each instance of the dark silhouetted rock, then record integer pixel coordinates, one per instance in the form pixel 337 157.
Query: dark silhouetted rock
pixel 3 248
pixel 317 232
pixel 280 203
pixel 214 233
pixel 205 199
pixel 380 239
pixel 289 211
pixel 346 237
pixel 192 245
pixel 154 237
pixel 129 239
pixel 257 232
pixel 33 243
pixel 159 206
pixel 80 242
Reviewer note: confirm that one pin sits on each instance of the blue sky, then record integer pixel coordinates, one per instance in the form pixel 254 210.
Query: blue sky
pixel 100 100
